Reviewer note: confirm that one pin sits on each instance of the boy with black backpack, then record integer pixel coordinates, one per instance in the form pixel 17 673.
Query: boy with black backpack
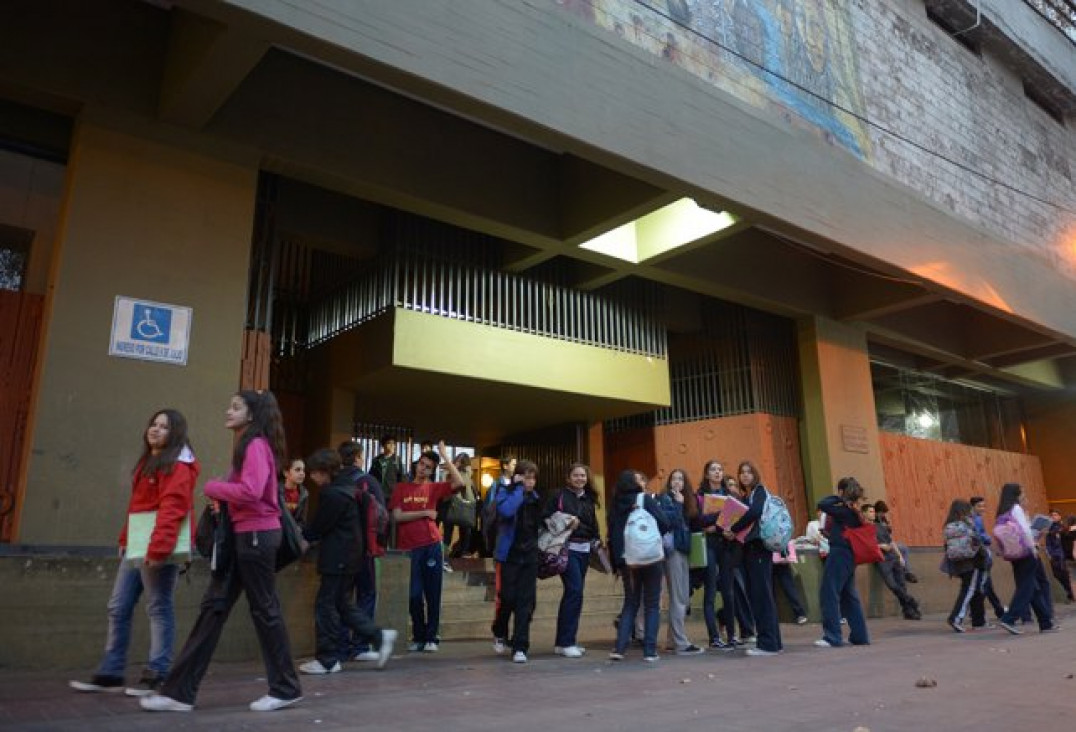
pixel 338 526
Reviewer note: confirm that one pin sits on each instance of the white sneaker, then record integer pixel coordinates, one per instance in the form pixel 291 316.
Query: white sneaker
pixel 519 657
pixel 823 643
pixel 160 703
pixel 570 651
pixel 448 567
pixel 317 668
pixel 801 620
pixel 388 641
pixel 430 647
pixel 370 655
pixel 499 647
pixel 651 659
pixel 614 656
pixel 271 703
pixel 759 652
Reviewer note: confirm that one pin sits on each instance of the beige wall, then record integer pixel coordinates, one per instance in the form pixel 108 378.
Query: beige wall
pixel 1051 435
pixel 140 219
pixel 838 409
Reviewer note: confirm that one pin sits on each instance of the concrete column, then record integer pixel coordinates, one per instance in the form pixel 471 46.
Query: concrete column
pixel 839 428
pixel 150 220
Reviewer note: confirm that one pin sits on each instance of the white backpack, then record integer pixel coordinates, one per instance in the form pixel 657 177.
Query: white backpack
pixel 642 540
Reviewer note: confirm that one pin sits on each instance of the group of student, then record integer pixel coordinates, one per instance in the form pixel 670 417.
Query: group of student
pixel 248 507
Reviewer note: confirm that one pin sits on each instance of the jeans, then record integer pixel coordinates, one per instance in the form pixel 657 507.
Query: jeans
pixel 1028 592
pixel 334 609
pixel 159 585
pixel 642 587
pixel 839 598
pixel 571 602
pixel 424 600
pixel 893 576
pixel 255 574
pixel 518 594
pixel 758 567
pixel 783 578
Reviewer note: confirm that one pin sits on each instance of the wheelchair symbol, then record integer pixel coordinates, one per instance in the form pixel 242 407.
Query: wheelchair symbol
pixel 148 328
pixel 150 324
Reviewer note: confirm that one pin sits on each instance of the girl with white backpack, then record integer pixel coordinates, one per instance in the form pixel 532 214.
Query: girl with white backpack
pixel 636 525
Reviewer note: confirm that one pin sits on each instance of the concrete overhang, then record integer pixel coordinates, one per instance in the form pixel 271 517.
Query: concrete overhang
pixel 481 382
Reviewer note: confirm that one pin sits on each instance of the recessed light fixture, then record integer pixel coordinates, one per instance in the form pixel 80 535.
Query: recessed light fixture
pixel 670 227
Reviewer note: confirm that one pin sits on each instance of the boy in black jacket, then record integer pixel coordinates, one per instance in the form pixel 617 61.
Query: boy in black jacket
pixel 519 517
pixel 338 526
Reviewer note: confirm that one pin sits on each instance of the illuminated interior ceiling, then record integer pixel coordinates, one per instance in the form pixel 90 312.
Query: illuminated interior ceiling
pixel 670 227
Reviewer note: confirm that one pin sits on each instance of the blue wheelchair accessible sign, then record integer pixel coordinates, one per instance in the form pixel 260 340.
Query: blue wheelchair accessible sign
pixel 150 331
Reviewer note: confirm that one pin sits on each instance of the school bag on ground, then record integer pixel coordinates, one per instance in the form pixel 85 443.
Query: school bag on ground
pixel 642 540
pixel 775 525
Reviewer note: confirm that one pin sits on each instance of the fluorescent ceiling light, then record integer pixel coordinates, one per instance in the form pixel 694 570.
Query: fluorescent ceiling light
pixel 678 224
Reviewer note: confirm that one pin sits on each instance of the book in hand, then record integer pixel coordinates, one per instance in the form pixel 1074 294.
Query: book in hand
pixel 140 530
pixel 731 512
pixel 1041 524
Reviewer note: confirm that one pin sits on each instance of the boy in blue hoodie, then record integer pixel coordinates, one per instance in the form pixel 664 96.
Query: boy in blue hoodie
pixel 519 516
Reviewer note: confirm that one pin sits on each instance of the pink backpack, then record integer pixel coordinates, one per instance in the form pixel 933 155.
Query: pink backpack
pixel 1012 541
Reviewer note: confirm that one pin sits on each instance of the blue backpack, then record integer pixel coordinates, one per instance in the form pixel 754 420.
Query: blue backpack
pixel 775 526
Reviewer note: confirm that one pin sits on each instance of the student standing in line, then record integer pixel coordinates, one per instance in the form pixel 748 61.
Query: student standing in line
pixel 642 585
pixel 295 494
pixel 681 511
pixel 414 507
pixel 162 481
pixel 519 512
pixel 388 468
pixel 338 527
pixel 978 506
pixel 838 596
pixel 1028 572
pixel 365 580
pixel 964 558
pixel 757 562
pixel 462 547
pixel 578 498
pixel 250 492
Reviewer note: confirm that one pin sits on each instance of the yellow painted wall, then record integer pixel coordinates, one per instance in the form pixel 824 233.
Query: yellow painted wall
pixel 837 393
pixel 521 358
pixel 140 219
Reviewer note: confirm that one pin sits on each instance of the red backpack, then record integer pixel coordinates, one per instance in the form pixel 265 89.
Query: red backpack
pixel 375 520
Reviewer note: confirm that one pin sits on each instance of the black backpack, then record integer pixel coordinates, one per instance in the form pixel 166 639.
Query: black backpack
pixel 489 518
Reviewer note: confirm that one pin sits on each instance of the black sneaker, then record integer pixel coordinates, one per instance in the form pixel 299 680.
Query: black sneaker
pixel 149 684
pixel 98 683
pixel 719 645
pixel 910 577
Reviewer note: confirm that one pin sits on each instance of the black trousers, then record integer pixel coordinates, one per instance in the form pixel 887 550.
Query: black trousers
pixel 731 585
pixel 783 577
pixel 255 574
pixel 335 607
pixel 893 576
pixel 519 592
pixel 1061 573
pixel 971 594
pixel 758 566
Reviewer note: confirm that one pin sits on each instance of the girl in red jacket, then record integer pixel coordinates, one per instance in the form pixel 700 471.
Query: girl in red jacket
pixel 162 482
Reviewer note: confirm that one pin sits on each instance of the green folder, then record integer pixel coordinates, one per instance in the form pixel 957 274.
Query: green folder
pixel 140 529
pixel 697 558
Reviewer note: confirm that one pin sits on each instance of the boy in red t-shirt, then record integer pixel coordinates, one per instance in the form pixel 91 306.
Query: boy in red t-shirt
pixel 414 508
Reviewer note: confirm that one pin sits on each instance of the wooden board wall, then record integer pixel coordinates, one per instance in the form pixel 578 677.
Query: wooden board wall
pixel 772 443
pixel 923 477
pixel 254 368
pixel 20 327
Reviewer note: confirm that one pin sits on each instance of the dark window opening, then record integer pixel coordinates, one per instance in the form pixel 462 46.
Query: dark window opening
pixel 1044 103
pixel 14 256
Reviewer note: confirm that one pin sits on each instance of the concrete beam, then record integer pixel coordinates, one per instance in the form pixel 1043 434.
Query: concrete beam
pixel 206 62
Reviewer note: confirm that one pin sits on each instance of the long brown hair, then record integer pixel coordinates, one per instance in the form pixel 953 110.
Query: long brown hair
pixel 265 421
pixel 589 487
pixel 691 503
pixel 165 460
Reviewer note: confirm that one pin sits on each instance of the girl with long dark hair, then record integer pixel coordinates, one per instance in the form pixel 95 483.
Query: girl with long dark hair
pixel 757 562
pixel 1029 576
pixel 682 511
pixel 162 481
pixel 579 499
pixel 642 585
pixel 838 596
pixel 964 559
pixel 249 495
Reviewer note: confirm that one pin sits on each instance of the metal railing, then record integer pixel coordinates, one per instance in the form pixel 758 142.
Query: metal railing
pixel 1060 13
pixel 464 291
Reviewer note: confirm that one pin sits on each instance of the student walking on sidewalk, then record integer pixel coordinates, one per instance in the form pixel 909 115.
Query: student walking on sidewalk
pixel 162 482
pixel 250 494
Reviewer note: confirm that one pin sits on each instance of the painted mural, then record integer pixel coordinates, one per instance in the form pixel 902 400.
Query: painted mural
pixel 790 57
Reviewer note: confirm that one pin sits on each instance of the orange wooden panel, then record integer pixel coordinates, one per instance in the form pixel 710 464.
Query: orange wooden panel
pixel 772 443
pixel 20 326
pixel 254 367
pixel 923 477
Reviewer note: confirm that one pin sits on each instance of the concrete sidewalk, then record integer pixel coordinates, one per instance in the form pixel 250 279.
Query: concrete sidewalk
pixel 986 680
